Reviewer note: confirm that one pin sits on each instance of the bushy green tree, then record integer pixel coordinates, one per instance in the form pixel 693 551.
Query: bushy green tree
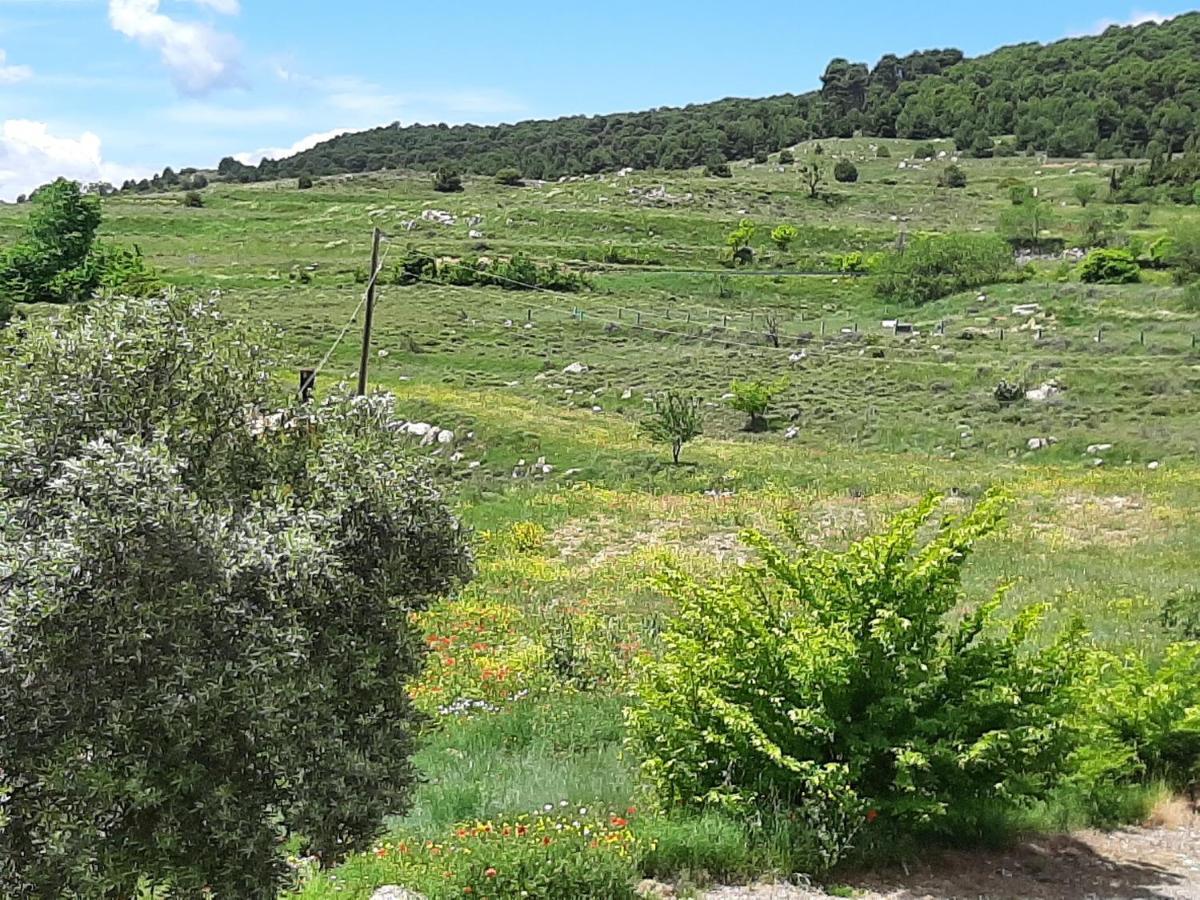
pixel 754 398
pixel 447 181
pixel 304 182
pixel 509 178
pixel 845 685
pixel 675 420
pixel 882 152
pixel 204 622
pixel 936 266
pixel 786 157
pixel 58 260
pixel 1109 266
pixel 845 172
pixel 924 151
pixel 718 170
pixel 1085 192
pixel 783 235
pixel 193 200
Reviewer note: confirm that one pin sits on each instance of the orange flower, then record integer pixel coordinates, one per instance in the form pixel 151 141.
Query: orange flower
pixel 546 842
pixel 632 811
pixel 468 890
pixel 618 822
pixel 381 852
pixel 490 873
pixel 872 815
pixel 521 830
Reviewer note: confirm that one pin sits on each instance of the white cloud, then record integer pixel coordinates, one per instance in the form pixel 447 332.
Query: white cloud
pixel 198 57
pixel 13 74
pixel 1137 17
pixel 224 7
pixel 305 143
pixel 31 156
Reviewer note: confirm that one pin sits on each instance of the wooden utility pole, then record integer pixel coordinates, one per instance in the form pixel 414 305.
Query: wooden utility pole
pixel 369 314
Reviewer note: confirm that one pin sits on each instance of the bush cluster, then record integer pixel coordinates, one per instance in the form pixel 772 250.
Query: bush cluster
pixel 933 267
pixel 1104 266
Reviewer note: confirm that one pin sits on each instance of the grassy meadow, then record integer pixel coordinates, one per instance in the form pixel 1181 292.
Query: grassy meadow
pixel 543 642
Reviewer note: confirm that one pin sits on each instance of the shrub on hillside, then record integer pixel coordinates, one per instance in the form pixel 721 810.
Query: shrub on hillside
pixel 1184 254
pixel 849 686
pixel 953 177
pixel 882 152
pixel 509 178
pixel 786 157
pixel 193 200
pixel 1106 266
pixel 783 235
pixel 718 170
pixel 304 182
pixel 205 631
pixel 761 157
pixel 58 259
pixel 924 151
pixel 845 172
pixel 447 181
pixel 937 266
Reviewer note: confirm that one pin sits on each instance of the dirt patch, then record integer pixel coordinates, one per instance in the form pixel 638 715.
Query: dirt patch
pixel 1131 864
pixel 1114 521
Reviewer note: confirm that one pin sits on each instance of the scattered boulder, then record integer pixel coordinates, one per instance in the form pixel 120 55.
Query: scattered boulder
pixel 792 433
pixel 1096 449
pixel 475 235
pixel 445 436
pixel 1037 443
pixel 438 216
pixel 1043 392
pixel 1025 310
pixel 1154 465
pixel 575 368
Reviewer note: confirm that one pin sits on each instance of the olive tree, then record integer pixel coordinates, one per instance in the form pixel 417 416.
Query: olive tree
pixel 205 592
pixel 675 420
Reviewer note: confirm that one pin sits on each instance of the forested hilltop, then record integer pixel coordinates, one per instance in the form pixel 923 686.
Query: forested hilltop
pixel 1128 92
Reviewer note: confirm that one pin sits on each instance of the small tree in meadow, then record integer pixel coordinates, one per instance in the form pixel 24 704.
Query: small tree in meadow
pixel 783 235
pixel 813 175
pixel 738 241
pixel 675 420
pixel 845 171
pixel 953 177
pixel 304 182
pixel 1024 222
pixel 754 398
pixel 1085 192
pixel 786 157
pixel 193 200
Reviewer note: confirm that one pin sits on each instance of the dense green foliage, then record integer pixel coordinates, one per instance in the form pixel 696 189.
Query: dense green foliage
pixel 754 398
pixel 1104 266
pixel 1114 94
pixel 59 260
pixel 204 622
pixel 953 177
pixel 447 181
pixel 839 685
pixel 783 235
pixel 518 273
pixel 1183 253
pixel 936 266
pixel 675 420
pixel 845 172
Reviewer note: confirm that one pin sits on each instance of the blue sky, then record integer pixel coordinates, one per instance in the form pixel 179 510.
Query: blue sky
pixel 114 88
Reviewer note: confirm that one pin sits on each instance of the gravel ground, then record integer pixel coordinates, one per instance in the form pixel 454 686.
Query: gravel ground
pixel 1160 863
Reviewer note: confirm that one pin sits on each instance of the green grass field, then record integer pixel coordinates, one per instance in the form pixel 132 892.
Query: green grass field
pixel 548 634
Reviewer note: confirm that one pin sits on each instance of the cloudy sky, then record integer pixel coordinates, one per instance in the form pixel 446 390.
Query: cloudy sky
pixel 109 89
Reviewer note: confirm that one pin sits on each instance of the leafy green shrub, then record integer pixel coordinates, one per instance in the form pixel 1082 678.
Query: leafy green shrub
pixel 1196 194
pixel 675 420
pixel 207 589
pixel 447 181
pixel 1181 614
pixel 937 266
pixel 1085 192
pixel 754 398
pixel 304 182
pixel 516 274
pixel 1020 193
pixel 847 687
pixel 509 178
pixel 783 235
pixel 882 152
pixel 1104 266
pixel 59 260
pixel 850 263
pixel 845 171
pixel 923 151
pixel 761 157
pixel 1184 255
pixel 193 200
pixel 786 157
pixel 953 177
pixel 718 170
pixel 1009 392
